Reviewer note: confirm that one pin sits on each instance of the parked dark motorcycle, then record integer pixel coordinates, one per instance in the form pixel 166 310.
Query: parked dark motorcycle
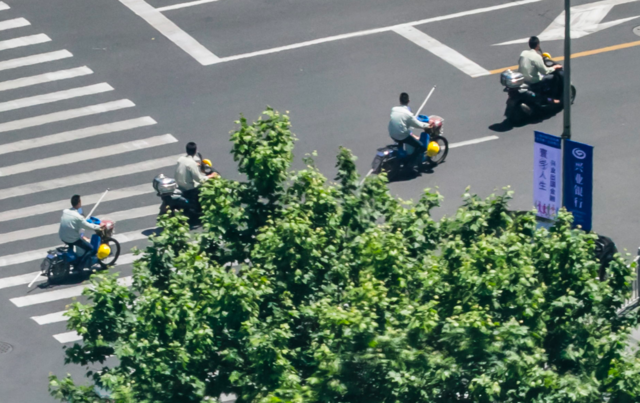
pixel 395 160
pixel 523 103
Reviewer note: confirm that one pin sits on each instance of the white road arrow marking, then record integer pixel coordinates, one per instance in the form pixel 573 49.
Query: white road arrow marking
pixel 585 20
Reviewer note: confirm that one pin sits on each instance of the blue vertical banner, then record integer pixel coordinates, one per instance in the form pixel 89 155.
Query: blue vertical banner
pixel 547 175
pixel 578 182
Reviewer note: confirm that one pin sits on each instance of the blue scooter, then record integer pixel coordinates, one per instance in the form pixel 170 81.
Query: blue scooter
pixel 395 160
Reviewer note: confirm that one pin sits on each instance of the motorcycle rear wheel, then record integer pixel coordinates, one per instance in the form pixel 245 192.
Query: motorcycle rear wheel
pixel 113 256
pixel 57 271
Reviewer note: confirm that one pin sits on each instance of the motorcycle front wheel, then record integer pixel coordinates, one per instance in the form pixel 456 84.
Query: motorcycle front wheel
pixel 444 150
pixel 113 255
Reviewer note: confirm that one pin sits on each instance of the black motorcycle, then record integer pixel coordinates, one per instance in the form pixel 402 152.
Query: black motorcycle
pixel 523 103
pixel 174 199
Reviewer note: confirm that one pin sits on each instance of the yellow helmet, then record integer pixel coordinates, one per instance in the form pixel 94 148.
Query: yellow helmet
pixel 548 56
pixel 433 149
pixel 206 162
pixel 103 251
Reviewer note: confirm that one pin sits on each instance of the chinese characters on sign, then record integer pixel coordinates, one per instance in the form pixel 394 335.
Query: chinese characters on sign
pixel 579 182
pixel 547 175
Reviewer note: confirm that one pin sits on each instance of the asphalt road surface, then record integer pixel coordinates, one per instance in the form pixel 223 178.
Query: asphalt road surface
pixel 98 94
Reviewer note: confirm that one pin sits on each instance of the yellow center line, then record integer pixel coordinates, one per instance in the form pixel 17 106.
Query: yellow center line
pixel 579 54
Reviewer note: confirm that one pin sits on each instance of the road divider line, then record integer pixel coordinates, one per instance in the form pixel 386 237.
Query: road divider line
pixel 88 177
pixel 50 318
pixel 376 30
pixel 31 233
pixel 76 135
pixel 170 30
pixel 45 78
pixel 54 97
pixel 14 23
pixel 40 254
pixel 441 50
pixel 183 5
pixel 3 6
pixel 68 337
pixel 65 115
pixel 580 54
pixel 24 41
pixel 87 202
pixel 34 59
pixel 474 141
pixel 95 153
pixel 58 295
pixel 23 279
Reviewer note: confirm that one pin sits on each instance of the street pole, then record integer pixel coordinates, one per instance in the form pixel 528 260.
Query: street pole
pixel 566 134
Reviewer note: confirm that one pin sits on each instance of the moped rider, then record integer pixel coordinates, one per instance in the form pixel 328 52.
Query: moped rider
pixel 72 226
pixel 535 72
pixel 188 175
pixel 400 124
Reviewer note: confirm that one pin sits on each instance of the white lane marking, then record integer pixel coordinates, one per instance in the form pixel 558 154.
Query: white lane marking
pixel 65 115
pixel 72 158
pixel 50 318
pixel 45 78
pixel 441 50
pixel 20 280
pixel 14 23
pixel 76 135
pixel 474 141
pixel 58 295
pixel 88 177
pixel 183 5
pixel 55 97
pixel 68 337
pixel 40 254
pixel 36 232
pixel 24 41
pixel 87 202
pixel 585 20
pixel 174 33
pixel 376 30
pixel 23 279
pixel 34 59
pixel 3 6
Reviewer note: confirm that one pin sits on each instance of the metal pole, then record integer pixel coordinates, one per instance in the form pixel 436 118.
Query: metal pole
pixel 566 134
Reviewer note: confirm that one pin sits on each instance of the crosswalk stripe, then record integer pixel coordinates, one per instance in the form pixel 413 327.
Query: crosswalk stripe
pixel 72 158
pixel 24 41
pixel 39 254
pixel 23 279
pixel 14 23
pixel 45 78
pixel 50 229
pixel 3 6
pixel 88 177
pixel 58 295
pixel 67 337
pixel 55 97
pixel 50 318
pixel 34 59
pixel 87 201
pixel 65 115
pixel 76 134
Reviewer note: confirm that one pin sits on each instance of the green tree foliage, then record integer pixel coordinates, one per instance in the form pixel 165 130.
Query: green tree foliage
pixel 299 290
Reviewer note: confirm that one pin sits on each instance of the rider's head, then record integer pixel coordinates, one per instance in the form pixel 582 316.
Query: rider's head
pixel 404 99
pixel 534 43
pixel 191 148
pixel 76 203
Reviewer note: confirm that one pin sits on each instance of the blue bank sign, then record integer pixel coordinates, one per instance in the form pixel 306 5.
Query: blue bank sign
pixel 578 182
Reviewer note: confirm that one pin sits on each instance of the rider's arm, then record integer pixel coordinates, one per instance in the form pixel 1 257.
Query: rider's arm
pixel 412 121
pixel 83 223
pixel 196 174
pixel 538 62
